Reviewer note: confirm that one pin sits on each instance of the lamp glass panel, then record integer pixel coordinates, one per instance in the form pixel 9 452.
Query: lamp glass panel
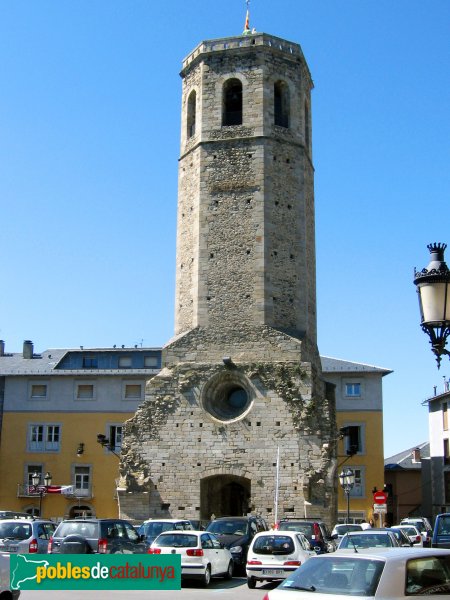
pixel 435 300
pixel 350 478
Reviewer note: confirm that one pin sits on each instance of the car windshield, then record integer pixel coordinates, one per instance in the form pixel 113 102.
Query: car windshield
pixel 274 544
pixel 428 575
pixel 378 540
pixel 15 531
pixel 443 527
pixel 88 530
pixel 177 540
pixel 350 576
pixel 341 529
pixel 419 524
pixel 306 528
pixel 409 530
pixel 154 528
pixel 228 527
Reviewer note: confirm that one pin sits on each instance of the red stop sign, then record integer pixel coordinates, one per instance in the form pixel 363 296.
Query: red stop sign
pixel 380 497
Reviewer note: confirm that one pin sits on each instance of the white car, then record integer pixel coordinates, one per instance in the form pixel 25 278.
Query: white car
pixel 202 555
pixel 275 555
pixel 368 538
pixel 5 590
pixel 423 525
pixel 394 574
pixel 340 529
pixel 413 533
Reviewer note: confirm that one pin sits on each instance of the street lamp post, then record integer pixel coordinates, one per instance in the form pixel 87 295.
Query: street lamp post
pixel 347 481
pixel 433 288
pixel 36 480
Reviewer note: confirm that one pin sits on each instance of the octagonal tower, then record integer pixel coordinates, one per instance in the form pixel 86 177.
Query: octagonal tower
pixel 242 375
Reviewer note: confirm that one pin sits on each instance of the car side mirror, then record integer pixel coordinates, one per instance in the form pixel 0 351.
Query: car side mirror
pixel 142 537
pixel 334 536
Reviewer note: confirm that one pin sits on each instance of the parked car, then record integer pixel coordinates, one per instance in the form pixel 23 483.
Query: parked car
pixel 413 534
pixel 6 593
pixel 102 536
pixel 423 525
pixel 275 554
pixel 202 555
pixel 340 529
pixel 153 527
pixel 316 532
pixel 394 573
pixel 402 539
pixel 25 536
pixel 368 538
pixel 236 533
pixel 441 532
pixel 13 514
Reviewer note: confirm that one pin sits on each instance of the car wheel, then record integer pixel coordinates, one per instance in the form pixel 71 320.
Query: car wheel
pixel 74 544
pixel 207 576
pixel 229 573
pixel 251 582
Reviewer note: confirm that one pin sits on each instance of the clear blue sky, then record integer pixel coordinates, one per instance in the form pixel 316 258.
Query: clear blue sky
pixel 89 142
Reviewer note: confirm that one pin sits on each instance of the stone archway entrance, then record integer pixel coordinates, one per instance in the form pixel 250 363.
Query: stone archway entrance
pixel 224 495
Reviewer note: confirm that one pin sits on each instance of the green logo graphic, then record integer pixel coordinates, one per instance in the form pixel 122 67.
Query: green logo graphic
pixel 95 572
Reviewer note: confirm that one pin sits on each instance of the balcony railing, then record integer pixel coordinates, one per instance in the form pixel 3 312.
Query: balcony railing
pixel 25 490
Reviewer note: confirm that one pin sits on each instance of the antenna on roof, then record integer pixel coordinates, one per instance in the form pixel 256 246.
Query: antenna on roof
pixel 247 30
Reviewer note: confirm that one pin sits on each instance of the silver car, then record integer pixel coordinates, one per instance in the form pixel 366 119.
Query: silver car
pixel 25 536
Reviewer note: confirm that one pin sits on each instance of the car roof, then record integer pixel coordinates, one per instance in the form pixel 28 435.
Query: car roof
pixel 235 518
pixel 273 532
pixel 24 520
pixel 371 531
pixel 395 553
pixel 156 520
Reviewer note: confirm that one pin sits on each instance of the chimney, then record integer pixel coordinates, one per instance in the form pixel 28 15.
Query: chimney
pixel 416 455
pixel 2 348
pixel 28 349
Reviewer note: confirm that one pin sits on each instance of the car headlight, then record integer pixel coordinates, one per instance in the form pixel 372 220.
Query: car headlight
pixel 236 549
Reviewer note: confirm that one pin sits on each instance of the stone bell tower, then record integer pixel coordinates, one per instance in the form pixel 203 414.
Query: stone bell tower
pixel 242 375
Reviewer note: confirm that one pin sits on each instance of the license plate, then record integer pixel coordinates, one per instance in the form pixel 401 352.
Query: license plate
pixel 10 548
pixel 273 572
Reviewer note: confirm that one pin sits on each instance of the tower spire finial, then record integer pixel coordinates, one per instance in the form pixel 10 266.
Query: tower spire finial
pixel 247 20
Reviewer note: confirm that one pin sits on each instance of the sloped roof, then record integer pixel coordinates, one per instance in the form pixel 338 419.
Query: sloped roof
pixel 46 363
pixel 404 459
pixel 330 365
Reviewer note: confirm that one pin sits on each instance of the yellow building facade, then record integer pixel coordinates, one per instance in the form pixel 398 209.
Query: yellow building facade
pixel 359 416
pixel 54 407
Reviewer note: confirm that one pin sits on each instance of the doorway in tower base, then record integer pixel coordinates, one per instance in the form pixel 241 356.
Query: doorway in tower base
pixel 224 495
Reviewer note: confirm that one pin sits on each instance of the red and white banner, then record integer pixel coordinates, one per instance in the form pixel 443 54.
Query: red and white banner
pixel 51 489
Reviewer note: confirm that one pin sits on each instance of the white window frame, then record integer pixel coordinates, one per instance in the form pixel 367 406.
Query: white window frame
pixel 353 388
pixel 80 383
pixel 362 438
pixel 44 437
pixel 130 382
pixel 359 489
pixel 36 384
pixel 30 469
pixel 151 362
pixel 114 436
pixel 128 360
pixel 83 479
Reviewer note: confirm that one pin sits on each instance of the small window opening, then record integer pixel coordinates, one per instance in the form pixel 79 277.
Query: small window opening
pixel 281 99
pixel 307 128
pixel 191 114
pixel 232 102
